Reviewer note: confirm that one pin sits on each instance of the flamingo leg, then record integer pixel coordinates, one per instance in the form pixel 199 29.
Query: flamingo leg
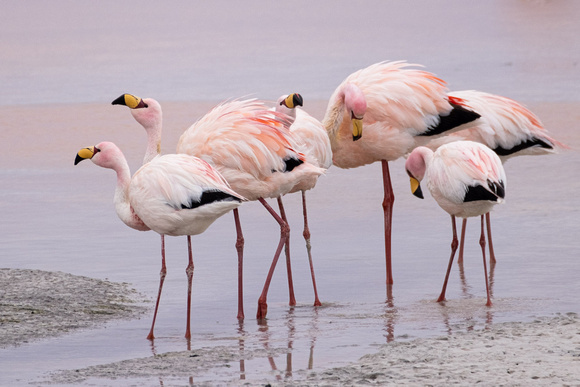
pixel 240 250
pixel 454 244
pixel 482 244
pixel 306 235
pixel 189 272
pixel 388 214
pixel 284 231
pixel 491 252
pixel 292 300
pixel 462 241
pixel 162 274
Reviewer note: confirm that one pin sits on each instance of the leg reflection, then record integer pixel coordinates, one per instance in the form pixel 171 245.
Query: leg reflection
pixel 242 347
pixel 390 315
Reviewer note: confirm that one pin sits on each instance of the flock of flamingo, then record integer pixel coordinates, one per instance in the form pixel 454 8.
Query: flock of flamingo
pixel 253 150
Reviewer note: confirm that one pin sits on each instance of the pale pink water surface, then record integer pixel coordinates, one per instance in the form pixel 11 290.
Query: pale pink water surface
pixel 63 62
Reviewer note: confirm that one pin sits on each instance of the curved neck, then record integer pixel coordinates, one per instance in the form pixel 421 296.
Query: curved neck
pixel 334 113
pixel 121 199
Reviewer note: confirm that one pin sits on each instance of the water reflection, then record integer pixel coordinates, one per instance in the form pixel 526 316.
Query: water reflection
pixel 390 315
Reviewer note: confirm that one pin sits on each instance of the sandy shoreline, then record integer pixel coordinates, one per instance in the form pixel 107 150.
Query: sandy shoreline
pixel 545 351
pixel 37 304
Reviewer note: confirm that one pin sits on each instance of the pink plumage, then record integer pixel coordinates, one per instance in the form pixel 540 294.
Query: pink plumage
pixel 466 179
pixel 382 112
pixel 252 147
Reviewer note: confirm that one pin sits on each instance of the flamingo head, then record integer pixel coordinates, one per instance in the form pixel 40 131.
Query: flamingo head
pixel 103 154
pixel 291 100
pixel 356 104
pixel 416 165
pixel 287 103
pixel 146 111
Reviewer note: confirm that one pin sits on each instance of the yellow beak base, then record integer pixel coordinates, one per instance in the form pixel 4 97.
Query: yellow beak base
pixel 357 128
pixel 85 153
pixel 416 188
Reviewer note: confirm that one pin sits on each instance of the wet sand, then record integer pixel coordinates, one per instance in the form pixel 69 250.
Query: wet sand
pixel 38 304
pixel 545 351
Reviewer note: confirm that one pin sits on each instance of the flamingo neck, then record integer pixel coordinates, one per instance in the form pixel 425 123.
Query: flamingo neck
pixel 334 113
pixel 151 119
pixel 121 199
pixel 153 142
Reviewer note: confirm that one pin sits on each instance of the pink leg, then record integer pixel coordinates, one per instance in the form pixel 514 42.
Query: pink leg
pixel 284 231
pixel 491 252
pixel 240 250
pixel 388 214
pixel 189 272
pixel 292 301
pixel 462 242
pixel 482 244
pixel 306 235
pixel 454 244
pixel 162 274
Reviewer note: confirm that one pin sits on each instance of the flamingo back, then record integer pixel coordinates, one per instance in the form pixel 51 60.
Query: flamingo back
pixel 457 169
pixel 505 126
pixel 180 195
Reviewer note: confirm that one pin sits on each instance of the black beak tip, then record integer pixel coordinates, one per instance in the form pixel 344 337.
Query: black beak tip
pixel 119 101
pixel 355 138
pixel 419 193
pixel 298 100
pixel 78 159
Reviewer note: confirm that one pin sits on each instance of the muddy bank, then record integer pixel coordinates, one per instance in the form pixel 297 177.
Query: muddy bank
pixel 37 304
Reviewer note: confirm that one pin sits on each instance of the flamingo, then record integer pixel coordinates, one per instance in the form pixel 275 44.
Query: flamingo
pixel 508 128
pixel 400 107
pixel 314 143
pixel 257 155
pixel 171 195
pixel 466 179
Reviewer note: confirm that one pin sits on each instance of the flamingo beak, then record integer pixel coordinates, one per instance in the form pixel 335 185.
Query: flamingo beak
pixel 130 101
pixel 357 127
pixel 416 188
pixel 85 153
pixel 293 100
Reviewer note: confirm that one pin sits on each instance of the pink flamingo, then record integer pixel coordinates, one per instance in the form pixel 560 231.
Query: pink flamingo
pixel 254 150
pixel 466 179
pixel 314 143
pixel 508 128
pixel 171 195
pixel 400 108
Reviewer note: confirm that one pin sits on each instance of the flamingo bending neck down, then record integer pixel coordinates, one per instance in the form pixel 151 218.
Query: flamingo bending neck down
pixel 466 179
pixel 171 195
pixel 400 108
pixel 509 129
pixel 313 142
pixel 254 150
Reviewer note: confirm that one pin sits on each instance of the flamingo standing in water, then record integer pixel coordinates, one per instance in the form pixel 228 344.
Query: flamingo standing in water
pixel 505 126
pixel 466 179
pixel 314 143
pixel 171 195
pixel 265 133
pixel 254 150
pixel 399 107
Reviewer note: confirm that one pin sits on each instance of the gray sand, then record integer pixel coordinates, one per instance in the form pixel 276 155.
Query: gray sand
pixel 38 304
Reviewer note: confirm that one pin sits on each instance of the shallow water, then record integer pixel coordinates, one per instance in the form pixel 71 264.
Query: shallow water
pixel 57 217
